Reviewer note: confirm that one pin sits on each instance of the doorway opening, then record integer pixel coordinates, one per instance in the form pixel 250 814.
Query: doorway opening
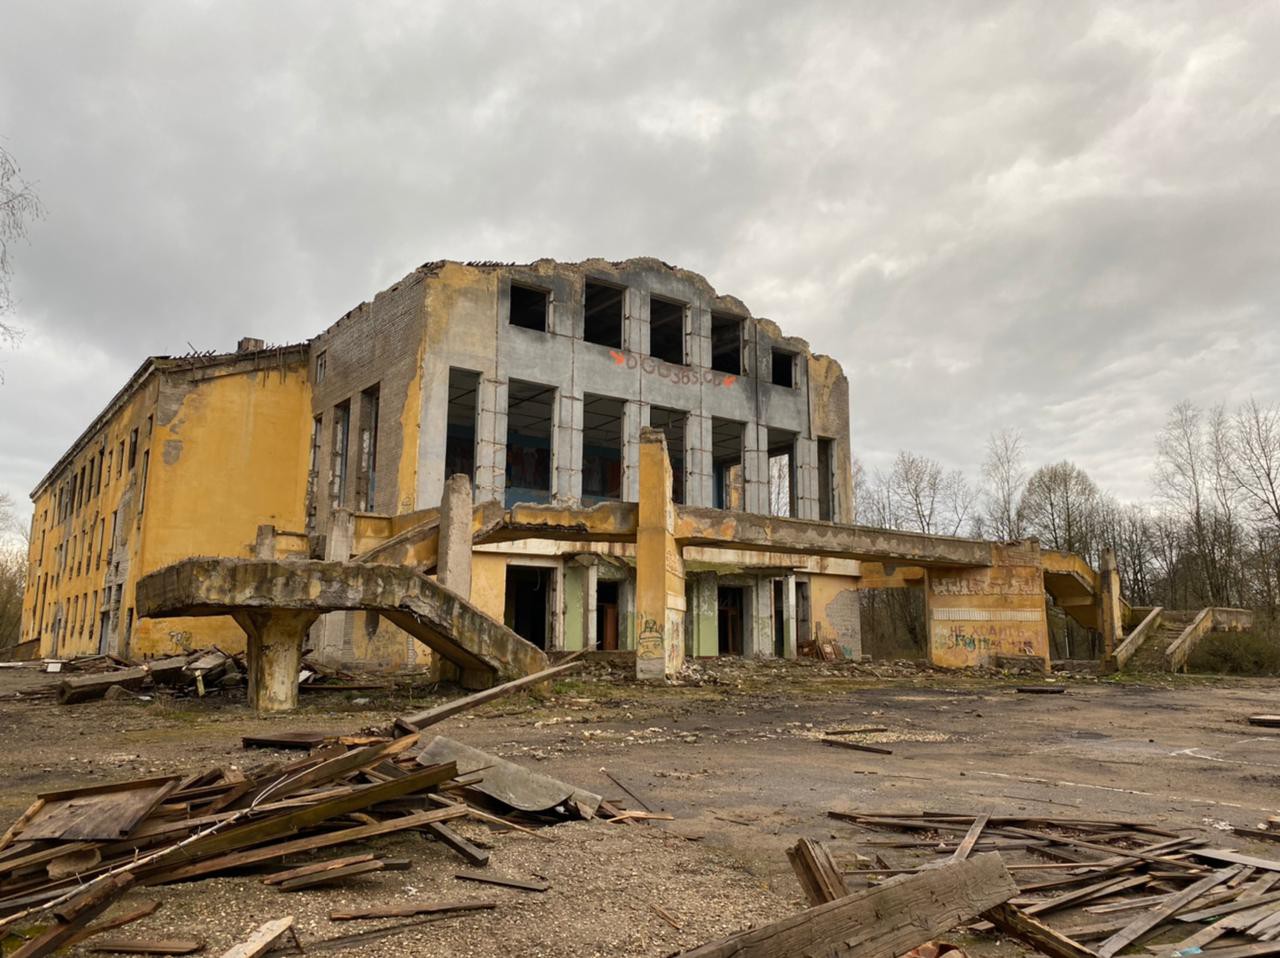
pixel 529 602
pixel 730 602
pixel 726 458
pixel 779 619
pixel 607 615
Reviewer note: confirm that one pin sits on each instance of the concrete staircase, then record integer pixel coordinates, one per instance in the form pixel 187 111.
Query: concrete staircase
pixel 1151 654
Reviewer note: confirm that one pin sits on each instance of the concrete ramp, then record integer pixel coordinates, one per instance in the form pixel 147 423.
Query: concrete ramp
pixel 263 593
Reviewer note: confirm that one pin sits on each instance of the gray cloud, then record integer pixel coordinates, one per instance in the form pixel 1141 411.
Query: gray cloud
pixel 1061 217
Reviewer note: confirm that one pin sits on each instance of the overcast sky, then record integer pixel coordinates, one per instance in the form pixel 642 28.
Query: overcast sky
pixel 1060 217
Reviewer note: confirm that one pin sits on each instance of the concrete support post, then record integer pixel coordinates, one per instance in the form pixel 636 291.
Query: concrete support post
pixel 660 591
pixel 1110 613
pixel 806 479
pixel 264 547
pixel 590 584
pixel 566 440
pixel 274 653
pixel 699 340
pixel 755 469
pixel 491 440
pixel 635 416
pixel 759 639
pixel 789 617
pixel 453 563
pixel 333 633
pixel 699 474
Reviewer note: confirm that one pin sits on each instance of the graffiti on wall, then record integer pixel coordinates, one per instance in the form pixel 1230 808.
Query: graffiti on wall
pixel 681 375
pixel 987 637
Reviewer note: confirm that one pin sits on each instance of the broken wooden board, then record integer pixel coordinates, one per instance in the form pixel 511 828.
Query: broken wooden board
pixel 420 720
pixel 305 870
pixel 147 946
pixel 857 746
pixel 304 740
pixel 881 922
pixel 1041 689
pixel 1265 721
pixel 85 688
pixel 1019 925
pixel 70 918
pixel 331 875
pixel 817 871
pixel 410 909
pixel 262 940
pixel 98 812
pixel 488 879
pixel 508 782
pixel 447 836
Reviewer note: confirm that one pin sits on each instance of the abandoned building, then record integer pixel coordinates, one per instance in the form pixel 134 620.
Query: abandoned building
pixel 647 467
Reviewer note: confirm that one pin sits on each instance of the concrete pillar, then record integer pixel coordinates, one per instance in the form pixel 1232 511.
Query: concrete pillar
pixel 660 590
pixel 566 440
pixel 635 416
pixel 806 478
pixel 699 475
pixel 264 547
pixel 1110 611
pixel 590 581
pixel 453 562
pixel 789 617
pixel 699 339
pixel 755 468
pixel 274 653
pixel 575 578
pixel 759 638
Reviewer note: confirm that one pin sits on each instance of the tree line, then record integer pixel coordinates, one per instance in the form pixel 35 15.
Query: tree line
pixel 1209 534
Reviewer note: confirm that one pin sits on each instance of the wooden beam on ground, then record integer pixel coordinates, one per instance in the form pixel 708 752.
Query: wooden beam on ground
pixel 447 836
pixel 147 946
pixel 71 918
pixel 971 838
pixel 817 871
pixel 503 882
pixel 881 922
pixel 411 908
pixel 420 720
pixel 1019 925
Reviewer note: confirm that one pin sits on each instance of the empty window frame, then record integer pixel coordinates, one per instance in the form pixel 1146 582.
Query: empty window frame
pixel 673 424
pixel 826 480
pixel 120 460
pixel 666 330
pixel 529 307
pixel 602 447
pixel 338 457
pixel 726 344
pixel 460 424
pixel 133 449
pixel 142 481
pixel 782 473
pixel 322 366
pixel 726 464
pixel 602 314
pixel 530 414
pixel 367 465
pixel 784 368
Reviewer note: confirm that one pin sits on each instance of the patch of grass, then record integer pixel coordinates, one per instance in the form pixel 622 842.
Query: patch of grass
pixel 1236 653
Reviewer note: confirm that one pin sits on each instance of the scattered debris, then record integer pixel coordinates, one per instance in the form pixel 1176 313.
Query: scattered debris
pixel 1265 721
pixel 1041 689
pixel 488 879
pixel 858 746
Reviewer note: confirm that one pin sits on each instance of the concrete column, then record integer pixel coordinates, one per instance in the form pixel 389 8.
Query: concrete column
pixel 1110 612
pixel 274 653
pixel 636 304
pixel 575 601
pixel 264 547
pixel 755 468
pixel 635 416
pixel 699 338
pixel 759 640
pixel 789 617
pixel 660 590
pixel 806 469
pixel 699 478
pixel 332 639
pixel 566 439
pixel 453 562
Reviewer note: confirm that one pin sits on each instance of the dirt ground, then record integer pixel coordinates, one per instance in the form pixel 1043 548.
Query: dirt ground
pixel 736 761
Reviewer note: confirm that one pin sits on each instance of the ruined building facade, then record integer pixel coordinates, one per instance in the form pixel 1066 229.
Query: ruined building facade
pixel 534 382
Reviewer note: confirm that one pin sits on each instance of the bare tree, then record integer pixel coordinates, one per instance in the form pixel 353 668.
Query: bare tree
pixel 19 205
pixel 1059 507
pixel 1005 477
pixel 921 497
pixel 1256 459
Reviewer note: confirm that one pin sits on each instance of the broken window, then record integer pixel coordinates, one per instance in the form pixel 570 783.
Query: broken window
pixel 666 330
pixel 607 614
pixel 826 480
pixel 529 307
pixel 726 343
pixel 338 458
pixel 672 422
pixel 142 481
pixel 784 368
pixel 530 412
pixel 726 462
pixel 106 473
pixel 782 473
pixel 120 461
pixel 602 447
pixel 322 364
pixel 367 472
pixel 460 426
pixel 602 314
pixel 133 449
pixel 97 477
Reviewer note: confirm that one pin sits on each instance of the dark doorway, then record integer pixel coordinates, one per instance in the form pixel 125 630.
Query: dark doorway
pixel 607 615
pixel 530 408
pixel 666 330
pixel 726 459
pixel 672 423
pixel 601 447
pixel 602 314
pixel 804 626
pixel 730 600
pixel 528 602
pixel 460 424
pixel 779 618
pixel 826 479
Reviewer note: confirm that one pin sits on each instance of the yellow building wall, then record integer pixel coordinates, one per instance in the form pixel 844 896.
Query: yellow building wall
pixel 233 455
pixel 489 584
pixel 834 611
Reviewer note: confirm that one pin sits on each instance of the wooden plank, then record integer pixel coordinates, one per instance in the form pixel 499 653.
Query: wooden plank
pixel 1146 922
pixel 504 882
pixel 856 746
pixel 331 875
pixel 420 720
pixel 148 946
pixel 142 910
pixel 74 915
pixel 34 809
pixel 471 853
pixel 1236 858
pixel 1021 926
pixel 301 739
pixel 262 940
pixel 167 873
pixel 1228 908
pixel 292 873
pixel 409 909
pixel 971 838
pixel 817 871
pixel 1087 893
pixel 631 792
pixel 97 813
pixel 881 922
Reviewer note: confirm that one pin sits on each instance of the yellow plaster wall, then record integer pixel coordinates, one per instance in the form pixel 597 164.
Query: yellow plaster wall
pixel 834 611
pixel 489 584
pixel 233 455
